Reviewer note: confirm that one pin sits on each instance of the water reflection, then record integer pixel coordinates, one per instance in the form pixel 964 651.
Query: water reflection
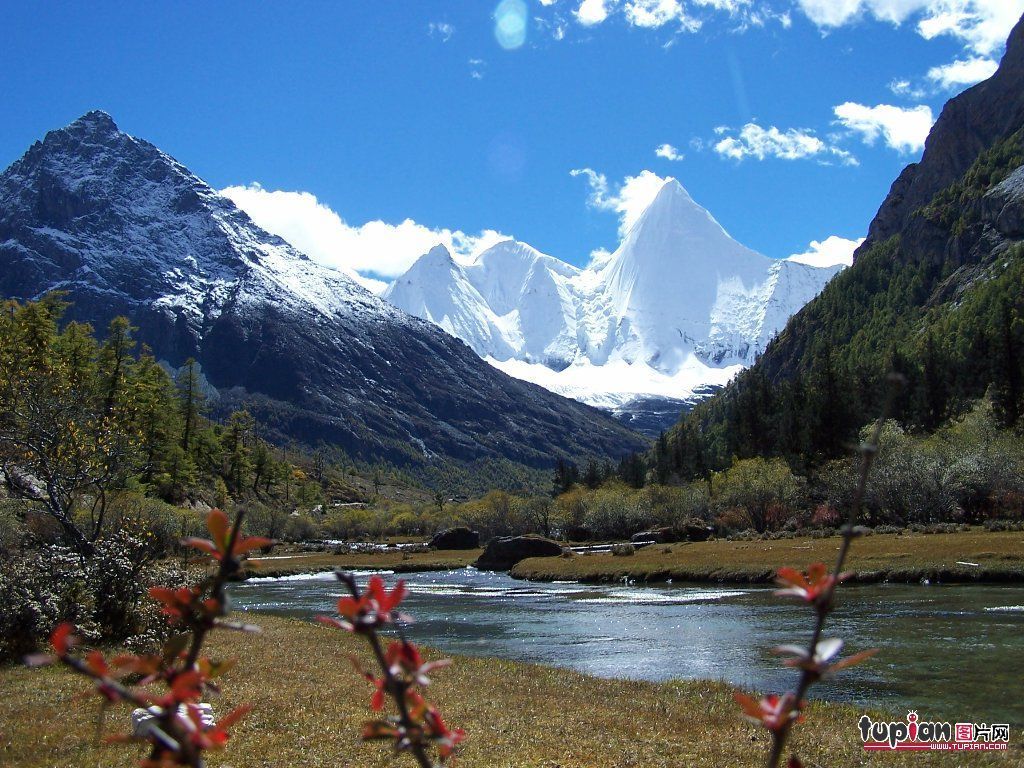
pixel 952 651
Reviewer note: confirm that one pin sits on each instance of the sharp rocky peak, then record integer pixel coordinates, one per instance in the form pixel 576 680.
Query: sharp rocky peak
pixel 95 122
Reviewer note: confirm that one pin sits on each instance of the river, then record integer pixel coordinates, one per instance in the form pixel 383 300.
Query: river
pixel 949 652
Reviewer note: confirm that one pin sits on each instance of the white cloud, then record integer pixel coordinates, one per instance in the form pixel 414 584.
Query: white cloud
pixel 658 13
pixel 760 143
pixel 903 87
pixel 441 29
pixel 982 26
pixel 375 248
pixel 631 198
pixel 593 12
pixel 729 6
pixel 669 152
pixel 902 129
pixel 654 14
pixel 830 13
pixel 829 252
pixel 963 72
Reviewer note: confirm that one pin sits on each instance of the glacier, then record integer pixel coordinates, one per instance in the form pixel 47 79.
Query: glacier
pixel 673 314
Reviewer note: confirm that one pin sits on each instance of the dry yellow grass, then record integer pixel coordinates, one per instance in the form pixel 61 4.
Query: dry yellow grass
pixel 309 704
pixel 400 562
pixel 908 557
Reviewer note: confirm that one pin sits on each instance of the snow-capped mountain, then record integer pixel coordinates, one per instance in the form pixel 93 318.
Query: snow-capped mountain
pixel 127 230
pixel 674 312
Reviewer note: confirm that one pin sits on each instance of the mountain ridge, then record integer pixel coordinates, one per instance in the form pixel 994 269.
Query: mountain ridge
pixel 678 308
pixel 127 230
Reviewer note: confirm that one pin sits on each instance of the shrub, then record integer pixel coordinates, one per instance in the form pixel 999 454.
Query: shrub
pixel 766 488
pixel 1004 525
pixel 883 529
pixel 623 550
pixel 732 521
pixel 300 528
pixel 825 515
pixel 11 528
pixel 748 535
pixel 104 596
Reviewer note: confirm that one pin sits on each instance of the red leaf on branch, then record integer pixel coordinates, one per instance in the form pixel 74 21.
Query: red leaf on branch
pixel 773 712
pixel 63 638
pixel 372 609
pixel 219 526
pixel 815 587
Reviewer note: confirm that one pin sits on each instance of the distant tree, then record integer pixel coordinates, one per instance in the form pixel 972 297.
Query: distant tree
pixel 565 477
pixel 934 390
pixel 756 486
pixel 539 512
pixel 319 465
pixel 190 399
pixel 237 442
pixel 633 470
pixel 1008 384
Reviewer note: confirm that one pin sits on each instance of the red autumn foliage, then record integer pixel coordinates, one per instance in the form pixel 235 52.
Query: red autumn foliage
pixel 417 725
pixel 182 675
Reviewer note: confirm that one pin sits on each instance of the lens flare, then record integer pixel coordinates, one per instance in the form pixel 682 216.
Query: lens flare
pixel 510 22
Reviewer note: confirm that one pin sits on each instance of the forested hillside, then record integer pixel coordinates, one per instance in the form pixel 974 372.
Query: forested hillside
pixel 934 294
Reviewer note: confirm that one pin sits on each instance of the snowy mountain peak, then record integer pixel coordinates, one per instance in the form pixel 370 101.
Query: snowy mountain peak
pixel 676 230
pixel 680 305
pixel 124 229
pixel 96 123
pixel 439 254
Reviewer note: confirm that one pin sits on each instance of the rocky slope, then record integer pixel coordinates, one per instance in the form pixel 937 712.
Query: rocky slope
pixel 969 124
pixel 949 217
pixel 125 229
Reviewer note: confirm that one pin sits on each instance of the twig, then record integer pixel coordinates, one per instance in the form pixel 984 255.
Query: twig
pixel 808 676
pixel 394 687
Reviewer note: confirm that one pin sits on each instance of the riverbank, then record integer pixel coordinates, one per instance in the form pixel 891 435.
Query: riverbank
pixel 309 704
pixel 965 557
pixel 394 560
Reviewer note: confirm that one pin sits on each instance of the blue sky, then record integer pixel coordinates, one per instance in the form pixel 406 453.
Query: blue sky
pixel 788 119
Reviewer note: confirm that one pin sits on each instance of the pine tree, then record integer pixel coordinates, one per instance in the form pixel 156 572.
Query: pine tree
pixel 1007 367
pixel 934 391
pixel 190 402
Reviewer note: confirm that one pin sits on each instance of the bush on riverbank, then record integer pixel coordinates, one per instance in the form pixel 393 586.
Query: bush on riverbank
pixel 970 471
pixel 104 596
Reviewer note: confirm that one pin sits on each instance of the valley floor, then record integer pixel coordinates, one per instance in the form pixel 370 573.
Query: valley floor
pixel 309 705
pixel 974 556
pixel 399 562
pixel 977 555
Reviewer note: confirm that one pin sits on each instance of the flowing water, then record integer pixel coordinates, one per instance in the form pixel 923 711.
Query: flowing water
pixel 955 652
